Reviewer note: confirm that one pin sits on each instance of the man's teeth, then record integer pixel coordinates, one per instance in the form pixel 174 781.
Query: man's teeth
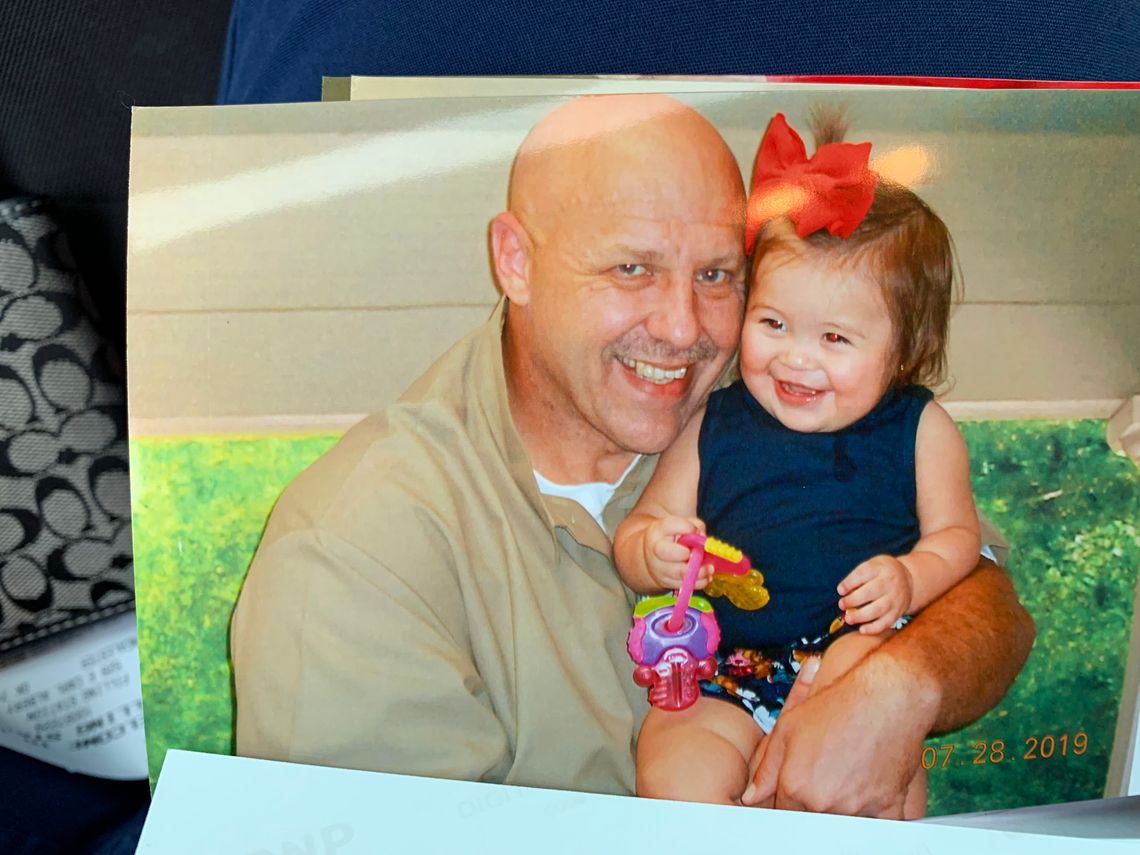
pixel 651 372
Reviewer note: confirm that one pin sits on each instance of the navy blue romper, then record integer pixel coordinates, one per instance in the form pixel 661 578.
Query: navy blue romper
pixel 807 508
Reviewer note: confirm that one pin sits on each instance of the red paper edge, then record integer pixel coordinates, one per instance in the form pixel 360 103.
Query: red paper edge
pixel 951 82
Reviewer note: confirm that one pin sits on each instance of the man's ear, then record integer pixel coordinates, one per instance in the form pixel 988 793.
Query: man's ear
pixel 511 249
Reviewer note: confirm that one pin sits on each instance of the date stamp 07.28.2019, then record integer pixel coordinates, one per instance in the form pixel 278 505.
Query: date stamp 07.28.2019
pixel 981 753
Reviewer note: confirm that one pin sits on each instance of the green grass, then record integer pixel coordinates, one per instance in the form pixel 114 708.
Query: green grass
pixel 1068 507
pixel 1065 502
pixel 199 506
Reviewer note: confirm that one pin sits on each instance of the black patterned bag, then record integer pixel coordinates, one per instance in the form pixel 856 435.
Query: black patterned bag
pixel 65 533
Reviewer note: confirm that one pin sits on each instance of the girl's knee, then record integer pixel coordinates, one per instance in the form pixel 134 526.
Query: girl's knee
pixel 694 757
pixel 716 779
pixel 658 778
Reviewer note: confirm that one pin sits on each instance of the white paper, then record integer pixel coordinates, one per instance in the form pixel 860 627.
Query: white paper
pixel 79 704
pixel 1107 818
pixel 1133 788
pixel 239 806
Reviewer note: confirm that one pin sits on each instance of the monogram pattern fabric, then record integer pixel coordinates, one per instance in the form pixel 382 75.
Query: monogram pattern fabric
pixel 65 533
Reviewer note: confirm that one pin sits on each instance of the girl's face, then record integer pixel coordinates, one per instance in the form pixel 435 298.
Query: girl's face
pixel 817 345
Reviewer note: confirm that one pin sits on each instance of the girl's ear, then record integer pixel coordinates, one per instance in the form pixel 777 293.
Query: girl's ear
pixel 511 249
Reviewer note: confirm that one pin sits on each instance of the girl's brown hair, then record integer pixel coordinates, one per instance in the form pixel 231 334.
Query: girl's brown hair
pixel 907 249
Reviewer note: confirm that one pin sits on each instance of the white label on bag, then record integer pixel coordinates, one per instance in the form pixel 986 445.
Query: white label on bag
pixel 79 704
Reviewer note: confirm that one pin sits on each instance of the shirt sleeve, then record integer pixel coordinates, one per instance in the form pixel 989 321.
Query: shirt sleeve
pixel 340 661
pixel 994 545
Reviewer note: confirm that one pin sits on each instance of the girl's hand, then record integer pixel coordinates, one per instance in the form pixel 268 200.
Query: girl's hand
pixel 665 559
pixel 876 594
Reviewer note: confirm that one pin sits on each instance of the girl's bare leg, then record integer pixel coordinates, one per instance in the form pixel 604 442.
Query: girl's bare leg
pixel 696 755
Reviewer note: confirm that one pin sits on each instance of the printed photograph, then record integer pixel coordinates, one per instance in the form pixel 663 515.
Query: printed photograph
pixel 735 444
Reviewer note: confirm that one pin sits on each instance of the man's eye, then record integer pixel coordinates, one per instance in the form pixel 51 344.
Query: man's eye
pixel 713 276
pixel 631 269
pixel 835 338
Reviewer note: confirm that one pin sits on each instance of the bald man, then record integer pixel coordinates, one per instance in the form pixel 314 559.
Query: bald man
pixel 436 595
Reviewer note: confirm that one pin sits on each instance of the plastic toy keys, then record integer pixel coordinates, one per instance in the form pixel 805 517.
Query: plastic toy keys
pixel 705 550
pixel 675 636
pixel 671 664
pixel 737 580
pixel 723 558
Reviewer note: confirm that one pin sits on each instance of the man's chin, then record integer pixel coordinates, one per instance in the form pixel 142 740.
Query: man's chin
pixel 648 436
pixel 650 419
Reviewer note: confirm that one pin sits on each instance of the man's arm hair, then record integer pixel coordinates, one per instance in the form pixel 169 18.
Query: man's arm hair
pixel 966 647
pixel 948 667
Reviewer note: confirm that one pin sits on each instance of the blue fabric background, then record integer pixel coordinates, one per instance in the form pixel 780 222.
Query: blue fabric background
pixel 278 50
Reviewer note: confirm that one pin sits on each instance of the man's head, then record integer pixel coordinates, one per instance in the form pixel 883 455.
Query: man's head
pixel 621 255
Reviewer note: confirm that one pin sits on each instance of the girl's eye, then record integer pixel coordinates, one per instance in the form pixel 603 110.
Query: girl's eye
pixel 772 323
pixel 835 338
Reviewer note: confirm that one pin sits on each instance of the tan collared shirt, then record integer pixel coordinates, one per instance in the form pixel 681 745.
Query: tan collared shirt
pixel 417 606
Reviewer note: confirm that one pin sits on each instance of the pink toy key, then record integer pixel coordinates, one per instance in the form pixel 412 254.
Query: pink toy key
pixel 705 550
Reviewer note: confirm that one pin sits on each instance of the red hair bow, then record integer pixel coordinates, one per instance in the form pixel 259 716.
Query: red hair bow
pixel 833 189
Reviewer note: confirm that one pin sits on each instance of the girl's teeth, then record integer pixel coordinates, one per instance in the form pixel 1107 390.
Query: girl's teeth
pixel 796 389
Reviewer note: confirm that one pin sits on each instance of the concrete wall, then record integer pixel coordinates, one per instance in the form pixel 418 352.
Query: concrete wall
pixel 298 265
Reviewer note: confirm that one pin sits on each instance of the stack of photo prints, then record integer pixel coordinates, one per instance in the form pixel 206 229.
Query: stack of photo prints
pixel 297 268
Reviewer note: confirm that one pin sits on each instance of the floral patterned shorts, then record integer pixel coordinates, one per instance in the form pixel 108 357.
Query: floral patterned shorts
pixel 758 681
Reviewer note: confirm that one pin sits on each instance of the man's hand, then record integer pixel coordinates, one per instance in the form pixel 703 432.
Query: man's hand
pixel 852 748
pixel 876 594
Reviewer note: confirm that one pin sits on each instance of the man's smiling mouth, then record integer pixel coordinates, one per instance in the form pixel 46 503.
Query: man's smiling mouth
pixel 653 373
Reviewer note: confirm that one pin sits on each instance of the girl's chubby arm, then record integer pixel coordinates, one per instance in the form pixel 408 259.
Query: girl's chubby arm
pixel 883 588
pixel 646 555
pixel 951 536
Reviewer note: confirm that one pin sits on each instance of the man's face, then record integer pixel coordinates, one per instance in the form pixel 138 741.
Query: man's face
pixel 637 304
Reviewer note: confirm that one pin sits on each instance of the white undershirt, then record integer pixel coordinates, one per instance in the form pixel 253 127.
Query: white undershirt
pixel 593 496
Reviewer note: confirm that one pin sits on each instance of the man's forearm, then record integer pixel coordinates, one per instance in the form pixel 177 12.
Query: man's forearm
pixel 949 666
pixel 964 650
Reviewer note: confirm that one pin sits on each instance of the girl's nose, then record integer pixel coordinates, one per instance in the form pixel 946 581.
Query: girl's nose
pixel 799 357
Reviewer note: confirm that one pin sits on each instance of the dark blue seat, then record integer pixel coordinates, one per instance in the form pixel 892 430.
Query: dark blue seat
pixel 277 50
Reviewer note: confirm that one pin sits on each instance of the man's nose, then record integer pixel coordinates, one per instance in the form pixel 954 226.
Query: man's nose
pixel 674 317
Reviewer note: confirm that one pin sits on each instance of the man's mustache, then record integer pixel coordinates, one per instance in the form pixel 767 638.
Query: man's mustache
pixel 646 349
